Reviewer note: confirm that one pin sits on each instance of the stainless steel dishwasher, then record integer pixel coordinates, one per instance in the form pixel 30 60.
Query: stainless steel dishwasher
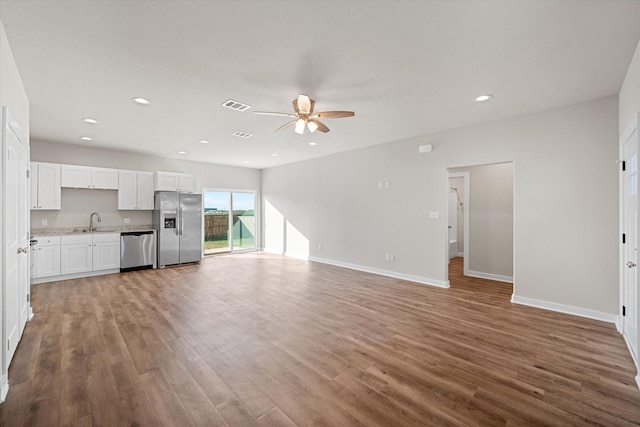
pixel 137 250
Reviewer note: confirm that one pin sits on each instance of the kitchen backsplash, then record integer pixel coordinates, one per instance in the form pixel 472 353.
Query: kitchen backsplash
pixel 77 206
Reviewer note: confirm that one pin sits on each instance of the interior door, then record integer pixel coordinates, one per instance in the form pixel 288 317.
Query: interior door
pixel 16 236
pixel 630 247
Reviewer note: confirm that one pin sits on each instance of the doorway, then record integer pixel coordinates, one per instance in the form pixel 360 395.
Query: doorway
pixel 482 247
pixel 229 221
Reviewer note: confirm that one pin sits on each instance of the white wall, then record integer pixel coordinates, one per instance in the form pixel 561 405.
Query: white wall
pixel 490 220
pixel 565 202
pixel 77 204
pixel 13 96
pixel 630 93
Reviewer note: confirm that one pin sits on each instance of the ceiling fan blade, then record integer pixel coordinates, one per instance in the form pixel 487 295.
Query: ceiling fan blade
pixel 303 103
pixel 333 114
pixel 287 125
pixel 272 113
pixel 321 126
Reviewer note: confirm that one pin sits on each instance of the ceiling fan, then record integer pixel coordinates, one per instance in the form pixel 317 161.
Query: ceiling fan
pixel 304 117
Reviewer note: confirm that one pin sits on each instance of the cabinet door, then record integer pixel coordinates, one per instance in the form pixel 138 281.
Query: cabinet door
pixel 47 261
pixel 104 179
pixel 106 255
pixel 75 176
pixel 167 181
pixel 76 258
pixel 146 186
pixel 127 190
pixel 33 178
pixel 188 183
pixel 49 186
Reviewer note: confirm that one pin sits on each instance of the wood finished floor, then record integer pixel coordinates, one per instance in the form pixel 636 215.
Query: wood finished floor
pixel 261 340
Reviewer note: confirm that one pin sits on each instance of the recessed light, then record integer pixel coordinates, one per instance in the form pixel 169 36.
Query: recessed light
pixel 483 98
pixel 246 162
pixel 204 141
pixel 182 152
pixel 139 100
pixel 274 154
pixel 89 120
pixel 313 143
pixel 86 138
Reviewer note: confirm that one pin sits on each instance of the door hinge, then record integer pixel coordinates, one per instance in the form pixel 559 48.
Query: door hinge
pixel 27 173
pixel 624 238
pixel 28 297
pixel 624 165
pixel 624 310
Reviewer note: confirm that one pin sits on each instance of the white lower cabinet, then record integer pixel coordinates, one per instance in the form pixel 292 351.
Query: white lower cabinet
pixel 76 254
pixel 89 252
pixel 46 256
pixel 106 251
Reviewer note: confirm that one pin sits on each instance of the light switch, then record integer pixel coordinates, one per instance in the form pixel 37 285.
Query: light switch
pixel 434 215
pixel 44 222
pixel 127 220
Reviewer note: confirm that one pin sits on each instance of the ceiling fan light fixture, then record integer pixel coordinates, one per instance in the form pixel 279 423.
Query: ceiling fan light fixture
pixel 312 127
pixel 300 124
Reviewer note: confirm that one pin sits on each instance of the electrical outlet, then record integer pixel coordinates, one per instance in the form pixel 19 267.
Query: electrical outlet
pixel 380 185
pixel 387 257
pixel 387 184
pixel 127 220
pixel 320 246
pixel 44 222
pixel 392 257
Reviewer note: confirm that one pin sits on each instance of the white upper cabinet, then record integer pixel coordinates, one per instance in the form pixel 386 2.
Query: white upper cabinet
pixel 172 181
pixel 45 186
pixel 188 183
pixel 74 176
pixel 104 179
pixel 135 190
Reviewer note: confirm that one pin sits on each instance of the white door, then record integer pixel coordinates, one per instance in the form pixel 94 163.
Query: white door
pixel 630 246
pixel 453 223
pixel 16 236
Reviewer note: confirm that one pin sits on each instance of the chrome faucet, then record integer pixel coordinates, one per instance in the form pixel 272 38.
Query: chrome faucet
pixel 91 227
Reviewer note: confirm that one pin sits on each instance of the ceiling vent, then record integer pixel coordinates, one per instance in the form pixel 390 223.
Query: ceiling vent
pixel 241 134
pixel 235 105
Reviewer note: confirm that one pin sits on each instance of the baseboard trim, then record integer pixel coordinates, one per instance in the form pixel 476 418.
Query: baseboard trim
pixel 4 389
pixel 496 277
pixel 381 272
pixel 567 309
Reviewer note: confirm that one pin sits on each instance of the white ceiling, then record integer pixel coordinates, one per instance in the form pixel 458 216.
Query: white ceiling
pixel 406 68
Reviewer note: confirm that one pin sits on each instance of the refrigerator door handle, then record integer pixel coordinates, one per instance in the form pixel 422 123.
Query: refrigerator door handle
pixel 181 225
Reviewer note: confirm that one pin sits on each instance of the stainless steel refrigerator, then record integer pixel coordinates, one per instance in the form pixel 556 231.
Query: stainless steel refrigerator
pixel 178 219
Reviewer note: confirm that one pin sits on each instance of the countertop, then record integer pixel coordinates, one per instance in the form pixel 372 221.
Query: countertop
pixel 66 231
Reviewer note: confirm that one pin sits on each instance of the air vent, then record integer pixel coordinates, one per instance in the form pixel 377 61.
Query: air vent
pixel 241 134
pixel 235 105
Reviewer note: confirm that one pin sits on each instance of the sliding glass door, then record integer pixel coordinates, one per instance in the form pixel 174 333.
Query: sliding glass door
pixel 244 220
pixel 229 221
